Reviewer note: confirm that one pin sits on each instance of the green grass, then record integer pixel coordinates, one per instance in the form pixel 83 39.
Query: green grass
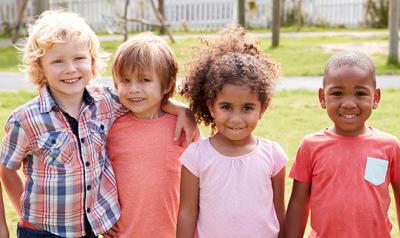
pixel 292 115
pixel 297 56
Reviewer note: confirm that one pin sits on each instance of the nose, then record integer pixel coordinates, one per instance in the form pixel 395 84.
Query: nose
pixel 235 118
pixel 349 103
pixel 70 67
pixel 135 88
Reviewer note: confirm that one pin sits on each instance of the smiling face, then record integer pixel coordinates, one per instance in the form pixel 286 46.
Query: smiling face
pixel 67 68
pixel 142 95
pixel 236 112
pixel 349 95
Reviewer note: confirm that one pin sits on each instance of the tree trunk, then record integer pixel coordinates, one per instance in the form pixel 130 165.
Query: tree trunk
pixel 242 12
pixel 21 10
pixel 161 11
pixel 40 6
pixel 126 20
pixel 276 22
pixel 393 31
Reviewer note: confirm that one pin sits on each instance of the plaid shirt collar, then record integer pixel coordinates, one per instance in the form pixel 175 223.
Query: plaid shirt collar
pixel 47 102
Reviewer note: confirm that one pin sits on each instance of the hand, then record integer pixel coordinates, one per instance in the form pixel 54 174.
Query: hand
pixel 187 123
pixel 112 232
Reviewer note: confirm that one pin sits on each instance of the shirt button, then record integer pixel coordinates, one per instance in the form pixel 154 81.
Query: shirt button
pixel 53 141
pixel 82 140
pixel 88 210
pixel 88 187
pixel 87 163
pixel 101 127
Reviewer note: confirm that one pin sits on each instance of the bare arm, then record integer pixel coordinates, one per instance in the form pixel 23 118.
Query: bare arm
pixel 298 208
pixel 396 191
pixel 13 185
pixel 278 187
pixel 184 122
pixel 189 205
pixel 3 223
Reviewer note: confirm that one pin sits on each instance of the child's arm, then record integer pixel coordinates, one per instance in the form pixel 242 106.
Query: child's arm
pixel 278 187
pixel 184 122
pixel 3 223
pixel 189 205
pixel 396 191
pixel 298 208
pixel 13 185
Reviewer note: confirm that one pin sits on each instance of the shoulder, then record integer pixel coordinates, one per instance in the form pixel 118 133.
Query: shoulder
pixel 378 134
pixel 272 149
pixel 26 111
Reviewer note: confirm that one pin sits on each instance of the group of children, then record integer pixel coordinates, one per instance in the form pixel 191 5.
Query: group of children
pixel 99 161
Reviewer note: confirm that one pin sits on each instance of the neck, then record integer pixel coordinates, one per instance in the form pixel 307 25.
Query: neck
pixel 229 147
pixel 71 105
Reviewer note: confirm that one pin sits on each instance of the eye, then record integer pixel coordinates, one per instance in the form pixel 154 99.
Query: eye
pixel 226 107
pixel 146 80
pixel 57 61
pixel 125 80
pixel 337 93
pixel 248 108
pixel 80 58
pixel 360 94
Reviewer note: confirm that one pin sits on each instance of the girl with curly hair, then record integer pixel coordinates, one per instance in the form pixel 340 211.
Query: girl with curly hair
pixel 232 184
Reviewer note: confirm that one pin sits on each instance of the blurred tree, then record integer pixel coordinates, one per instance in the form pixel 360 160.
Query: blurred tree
pixel 242 12
pixel 377 13
pixel 276 22
pixel 393 32
pixel 161 11
pixel 21 12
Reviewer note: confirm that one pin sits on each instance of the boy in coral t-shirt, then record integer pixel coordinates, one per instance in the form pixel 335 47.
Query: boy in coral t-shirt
pixel 342 173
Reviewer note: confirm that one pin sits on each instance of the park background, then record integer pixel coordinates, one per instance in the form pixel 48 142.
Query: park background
pixel 300 35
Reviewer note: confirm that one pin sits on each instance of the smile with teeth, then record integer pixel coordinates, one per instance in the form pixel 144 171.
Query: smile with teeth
pixel 349 116
pixel 136 99
pixel 235 129
pixel 74 80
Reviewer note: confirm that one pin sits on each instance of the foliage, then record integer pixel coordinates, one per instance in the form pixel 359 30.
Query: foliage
pixel 376 13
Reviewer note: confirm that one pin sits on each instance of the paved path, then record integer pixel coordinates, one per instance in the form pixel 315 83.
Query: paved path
pixel 18 81
pixel 360 34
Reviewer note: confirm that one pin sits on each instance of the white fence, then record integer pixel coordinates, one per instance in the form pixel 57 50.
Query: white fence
pixel 103 15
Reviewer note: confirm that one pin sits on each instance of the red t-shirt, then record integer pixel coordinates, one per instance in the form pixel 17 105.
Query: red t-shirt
pixel 350 178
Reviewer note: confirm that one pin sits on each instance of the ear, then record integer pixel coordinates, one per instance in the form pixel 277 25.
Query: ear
pixel 211 109
pixel 321 96
pixel 169 87
pixel 263 109
pixel 377 98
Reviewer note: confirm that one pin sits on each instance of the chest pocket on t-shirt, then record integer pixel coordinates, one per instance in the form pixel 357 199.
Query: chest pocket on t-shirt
pixel 54 146
pixel 375 170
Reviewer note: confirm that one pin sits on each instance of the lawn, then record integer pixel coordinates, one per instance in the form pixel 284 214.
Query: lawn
pixel 297 56
pixel 292 115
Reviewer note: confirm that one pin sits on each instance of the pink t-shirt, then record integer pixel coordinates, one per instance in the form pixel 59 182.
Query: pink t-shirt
pixel 147 170
pixel 350 178
pixel 235 197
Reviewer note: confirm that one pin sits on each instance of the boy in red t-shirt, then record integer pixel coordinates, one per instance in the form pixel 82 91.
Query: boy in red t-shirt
pixel 342 173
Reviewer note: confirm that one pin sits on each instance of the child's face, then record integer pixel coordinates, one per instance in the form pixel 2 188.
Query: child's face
pixel 236 111
pixel 67 68
pixel 141 96
pixel 349 96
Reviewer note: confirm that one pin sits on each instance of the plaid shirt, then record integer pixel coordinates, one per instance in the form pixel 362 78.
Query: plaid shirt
pixel 61 185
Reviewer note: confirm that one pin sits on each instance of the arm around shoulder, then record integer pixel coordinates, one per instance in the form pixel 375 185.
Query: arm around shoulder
pixel 298 209
pixel 189 205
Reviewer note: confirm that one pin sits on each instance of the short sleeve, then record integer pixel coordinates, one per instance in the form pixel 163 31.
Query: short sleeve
pixel 301 169
pixel 191 158
pixel 280 158
pixel 395 166
pixel 15 145
pixel 117 108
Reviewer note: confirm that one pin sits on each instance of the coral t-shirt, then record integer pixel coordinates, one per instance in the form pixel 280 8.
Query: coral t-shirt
pixel 145 160
pixel 350 178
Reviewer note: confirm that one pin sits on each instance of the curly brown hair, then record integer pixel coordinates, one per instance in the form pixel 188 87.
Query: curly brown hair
pixel 231 58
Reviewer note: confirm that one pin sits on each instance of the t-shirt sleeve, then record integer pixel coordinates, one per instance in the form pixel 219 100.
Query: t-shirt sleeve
pixel 301 169
pixel 191 158
pixel 280 158
pixel 395 167
pixel 15 145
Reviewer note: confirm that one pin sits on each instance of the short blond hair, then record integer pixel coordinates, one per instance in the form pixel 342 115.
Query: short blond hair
pixel 53 27
pixel 146 51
